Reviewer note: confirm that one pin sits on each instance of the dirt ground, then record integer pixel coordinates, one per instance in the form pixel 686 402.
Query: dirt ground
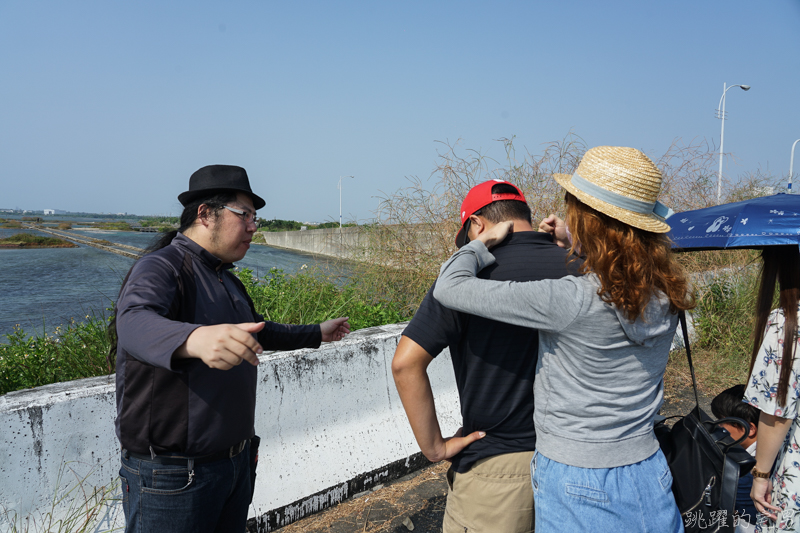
pixel 416 502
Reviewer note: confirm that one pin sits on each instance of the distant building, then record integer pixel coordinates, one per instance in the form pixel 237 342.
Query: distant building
pixel 49 211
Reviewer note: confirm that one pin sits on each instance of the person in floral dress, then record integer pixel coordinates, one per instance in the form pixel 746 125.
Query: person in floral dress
pixel 774 388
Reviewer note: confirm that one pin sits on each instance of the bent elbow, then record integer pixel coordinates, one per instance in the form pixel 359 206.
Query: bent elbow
pixel 441 292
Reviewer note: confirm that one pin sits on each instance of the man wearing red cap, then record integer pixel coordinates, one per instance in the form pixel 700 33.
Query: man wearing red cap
pixel 489 479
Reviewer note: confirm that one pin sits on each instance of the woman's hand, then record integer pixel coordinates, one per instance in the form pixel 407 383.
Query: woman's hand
pixel 496 234
pixel 557 228
pixel 761 493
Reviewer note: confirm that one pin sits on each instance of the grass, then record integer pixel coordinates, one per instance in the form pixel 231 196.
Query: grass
pixel 24 240
pixel 74 508
pixel 113 226
pixel 724 321
pixel 310 298
pixel 78 350
pixel 161 222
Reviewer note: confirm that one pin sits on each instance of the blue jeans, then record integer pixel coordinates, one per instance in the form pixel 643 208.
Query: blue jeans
pixel 631 498
pixel 167 499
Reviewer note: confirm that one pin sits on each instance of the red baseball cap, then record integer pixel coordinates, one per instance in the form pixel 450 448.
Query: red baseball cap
pixel 479 197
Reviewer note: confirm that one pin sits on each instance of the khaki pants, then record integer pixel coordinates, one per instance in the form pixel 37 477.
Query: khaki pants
pixel 495 496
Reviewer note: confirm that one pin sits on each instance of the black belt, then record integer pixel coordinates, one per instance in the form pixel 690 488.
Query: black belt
pixel 173 459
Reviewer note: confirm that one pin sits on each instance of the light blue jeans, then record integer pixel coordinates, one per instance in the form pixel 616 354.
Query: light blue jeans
pixel 632 498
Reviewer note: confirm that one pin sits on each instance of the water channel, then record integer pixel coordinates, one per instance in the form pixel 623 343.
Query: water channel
pixel 45 287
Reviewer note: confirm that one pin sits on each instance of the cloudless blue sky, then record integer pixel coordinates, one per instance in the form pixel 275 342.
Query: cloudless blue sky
pixel 111 105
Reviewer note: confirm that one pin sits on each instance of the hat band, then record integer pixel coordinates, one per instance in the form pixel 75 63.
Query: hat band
pixel 618 200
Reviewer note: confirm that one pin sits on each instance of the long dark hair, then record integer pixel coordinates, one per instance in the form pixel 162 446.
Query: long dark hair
pixel 214 203
pixel 781 264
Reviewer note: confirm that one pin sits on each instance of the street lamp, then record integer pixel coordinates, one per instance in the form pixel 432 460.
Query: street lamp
pixel 791 166
pixel 721 111
pixel 340 199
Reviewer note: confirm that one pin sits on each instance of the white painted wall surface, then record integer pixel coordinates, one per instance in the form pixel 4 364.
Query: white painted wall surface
pixel 325 416
pixel 334 242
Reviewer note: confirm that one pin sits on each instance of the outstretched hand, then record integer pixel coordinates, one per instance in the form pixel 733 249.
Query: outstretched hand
pixel 223 346
pixel 335 329
pixel 557 228
pixel 496 234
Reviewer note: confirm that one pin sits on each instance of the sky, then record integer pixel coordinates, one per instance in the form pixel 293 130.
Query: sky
pixel 109 106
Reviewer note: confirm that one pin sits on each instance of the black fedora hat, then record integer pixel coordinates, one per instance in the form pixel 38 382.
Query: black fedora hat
pixel 218 178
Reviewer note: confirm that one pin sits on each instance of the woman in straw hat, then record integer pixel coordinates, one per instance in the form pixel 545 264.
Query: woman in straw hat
pixel 604 341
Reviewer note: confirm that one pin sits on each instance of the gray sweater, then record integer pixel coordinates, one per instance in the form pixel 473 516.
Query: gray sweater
pixel 599 379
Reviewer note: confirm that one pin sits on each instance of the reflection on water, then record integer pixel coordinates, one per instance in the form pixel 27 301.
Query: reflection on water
pixel 42 288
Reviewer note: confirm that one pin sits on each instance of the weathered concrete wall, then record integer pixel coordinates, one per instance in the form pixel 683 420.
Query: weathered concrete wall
pixel 333 242
pixel 330 419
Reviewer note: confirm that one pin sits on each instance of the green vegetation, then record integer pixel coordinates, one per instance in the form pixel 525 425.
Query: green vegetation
pixel 724 316
pixel 163 224
pixel 158 221
pixel 75 351
pixel 277 224
pixel 10 224
pixel 326 225
pixel 113 226
pixel 309 298
pixel 724 321
pixel 76 507
pixel 79 349
pixel 26 240
pixel 64 226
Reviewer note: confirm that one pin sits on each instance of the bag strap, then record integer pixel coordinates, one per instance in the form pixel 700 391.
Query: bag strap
pixel 685 331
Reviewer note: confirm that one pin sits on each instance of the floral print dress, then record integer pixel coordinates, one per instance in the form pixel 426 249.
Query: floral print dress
pixel 762 393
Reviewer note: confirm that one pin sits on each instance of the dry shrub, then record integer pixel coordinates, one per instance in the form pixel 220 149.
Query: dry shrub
pixel 416 226
pixel 690 178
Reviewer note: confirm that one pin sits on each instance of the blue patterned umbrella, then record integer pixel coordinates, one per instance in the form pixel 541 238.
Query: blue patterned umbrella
pixel 766 221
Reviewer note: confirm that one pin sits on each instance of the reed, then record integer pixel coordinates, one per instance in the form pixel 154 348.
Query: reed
pixel 76 507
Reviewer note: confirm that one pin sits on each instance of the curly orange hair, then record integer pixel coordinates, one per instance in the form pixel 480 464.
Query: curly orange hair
pixel 631 263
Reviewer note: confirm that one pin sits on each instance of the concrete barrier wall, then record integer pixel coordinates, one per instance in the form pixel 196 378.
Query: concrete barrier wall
pixel 329 241
pixel 330 419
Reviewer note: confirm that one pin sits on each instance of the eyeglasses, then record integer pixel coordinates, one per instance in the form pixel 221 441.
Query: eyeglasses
pixel 247 216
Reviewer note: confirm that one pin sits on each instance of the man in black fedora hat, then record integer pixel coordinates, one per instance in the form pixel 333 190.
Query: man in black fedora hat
pixel 188 339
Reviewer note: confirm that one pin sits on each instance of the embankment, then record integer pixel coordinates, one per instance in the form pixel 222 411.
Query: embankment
pixel 330 419
pixel 114 248
pixel 333 242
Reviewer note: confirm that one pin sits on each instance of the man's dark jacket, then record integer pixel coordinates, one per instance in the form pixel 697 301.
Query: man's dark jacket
pixel 181 405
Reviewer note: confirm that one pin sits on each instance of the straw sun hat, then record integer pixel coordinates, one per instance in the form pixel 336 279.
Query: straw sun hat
pixel 622 183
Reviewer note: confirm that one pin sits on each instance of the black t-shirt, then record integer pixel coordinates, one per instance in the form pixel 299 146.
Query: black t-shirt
pixel 494 363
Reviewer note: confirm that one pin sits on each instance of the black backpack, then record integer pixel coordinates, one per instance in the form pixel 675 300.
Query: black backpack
pixel 706 464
